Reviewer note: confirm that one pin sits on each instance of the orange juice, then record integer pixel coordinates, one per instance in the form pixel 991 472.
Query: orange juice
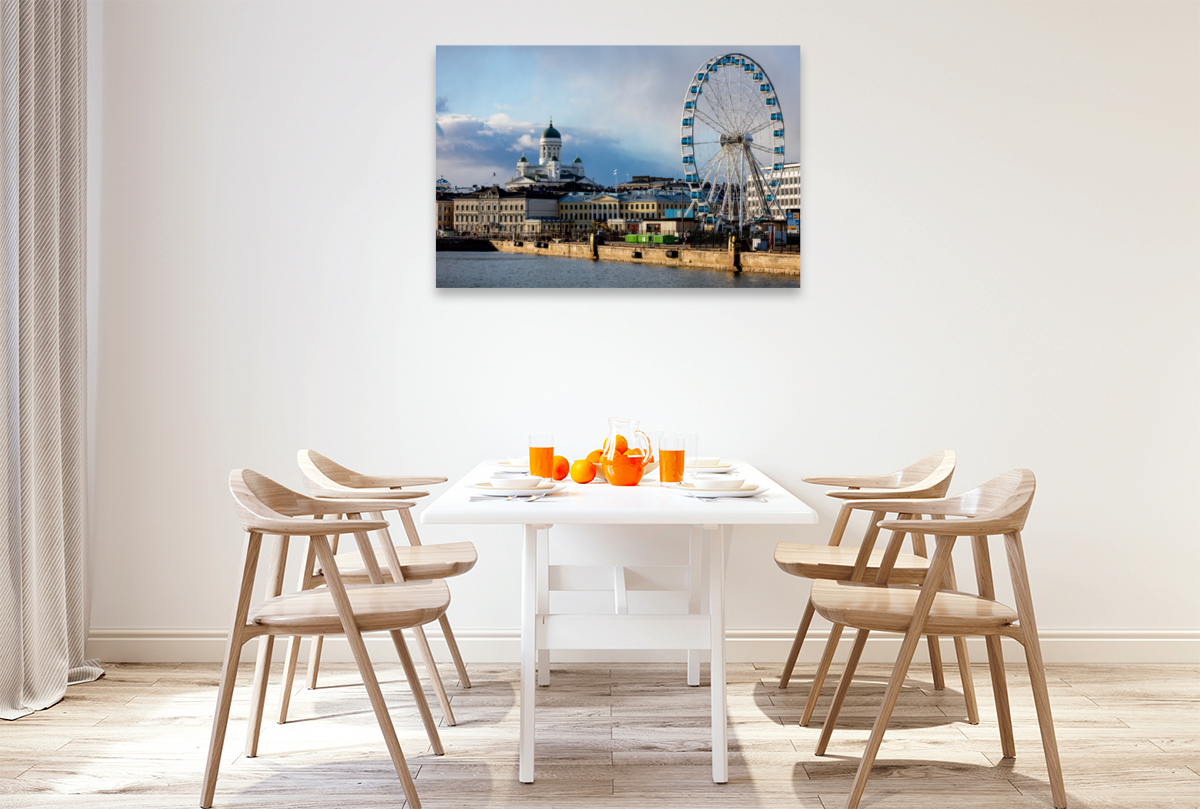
pixel 541 461
pixel 670 465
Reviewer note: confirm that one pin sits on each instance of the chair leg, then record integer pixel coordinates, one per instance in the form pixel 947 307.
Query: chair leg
pixel 367 671
pixel 258 694
pixel 434 676
pixel 233 651
pixel 839 697
pixel 414 684
pixel 835 634
pixel 895 685
pixel 1037 669
pixel 289 676
pixel 964 658
pixel 464 679
pixel 262 666
pixel 1008 742
pixel 935 662
pixel 790 663
pixel 912 638
pixel 220 722
pixel 968 682
pixel 314 661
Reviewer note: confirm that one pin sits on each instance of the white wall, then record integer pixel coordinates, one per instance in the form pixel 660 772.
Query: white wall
pixel 1000 257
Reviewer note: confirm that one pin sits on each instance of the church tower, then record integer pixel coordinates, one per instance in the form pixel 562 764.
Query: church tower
pixel 551 144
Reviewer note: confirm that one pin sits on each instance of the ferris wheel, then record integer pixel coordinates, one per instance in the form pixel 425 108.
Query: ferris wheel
pixel 732 140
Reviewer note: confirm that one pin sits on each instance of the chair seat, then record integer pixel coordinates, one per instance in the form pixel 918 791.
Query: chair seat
pixel 376 607
pixel 837 563
pixel 417 562
pixel 889 608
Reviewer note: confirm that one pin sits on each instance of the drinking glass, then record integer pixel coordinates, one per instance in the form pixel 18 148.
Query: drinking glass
pixel 691 450
pixel 671 455
pixel 541 454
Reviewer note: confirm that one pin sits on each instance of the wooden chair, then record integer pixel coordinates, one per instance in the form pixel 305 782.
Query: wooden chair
pixel 998 507
pixel 264 507
pixel 928 477
pixel 406 563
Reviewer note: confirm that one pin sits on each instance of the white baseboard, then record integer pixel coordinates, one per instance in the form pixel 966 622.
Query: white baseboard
pixel 742 646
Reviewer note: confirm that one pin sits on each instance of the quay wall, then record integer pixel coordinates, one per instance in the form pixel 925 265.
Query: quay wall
pixel 779 263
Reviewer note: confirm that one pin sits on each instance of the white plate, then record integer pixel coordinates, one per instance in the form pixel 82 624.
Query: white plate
pixel 747 490
pixel 498 489
pixel 708 465
pixel 709 470
pixel 509 466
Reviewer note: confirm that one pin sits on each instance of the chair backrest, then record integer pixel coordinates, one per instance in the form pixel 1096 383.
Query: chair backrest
pixel 325 477
pixel 324 472
pixel 260 500
pixel 266 507
pixel 935 468
pixel 999 506
pixel 928 477
pixel 1003 501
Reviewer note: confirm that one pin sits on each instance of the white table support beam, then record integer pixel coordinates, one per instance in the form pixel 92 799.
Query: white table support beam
pixel 624 631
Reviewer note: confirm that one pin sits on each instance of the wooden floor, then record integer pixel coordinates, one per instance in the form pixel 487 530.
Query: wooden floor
pixel 610 736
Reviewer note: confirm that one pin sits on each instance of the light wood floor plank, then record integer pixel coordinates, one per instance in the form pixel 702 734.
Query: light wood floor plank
pixel 611 737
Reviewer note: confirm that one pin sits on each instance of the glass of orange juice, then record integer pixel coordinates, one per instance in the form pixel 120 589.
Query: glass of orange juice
pixel 541 455
pixel 671 449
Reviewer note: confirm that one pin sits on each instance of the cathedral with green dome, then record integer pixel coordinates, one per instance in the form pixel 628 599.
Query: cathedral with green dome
pixel 550 169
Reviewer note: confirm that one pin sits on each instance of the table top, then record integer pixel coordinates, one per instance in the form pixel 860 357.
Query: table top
pixel 649 503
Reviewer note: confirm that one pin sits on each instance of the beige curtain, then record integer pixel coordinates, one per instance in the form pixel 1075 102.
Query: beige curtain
pixel 43 571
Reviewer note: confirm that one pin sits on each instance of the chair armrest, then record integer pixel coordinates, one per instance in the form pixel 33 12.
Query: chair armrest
pixel 855 481
pixel 879 494
pixel 300 527
pixel 360 494
pixel 348 505
pixel 397 481
pixel 949 528
pixel 915 505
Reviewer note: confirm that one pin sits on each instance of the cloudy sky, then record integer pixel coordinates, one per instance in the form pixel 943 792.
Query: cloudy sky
pixel 617 107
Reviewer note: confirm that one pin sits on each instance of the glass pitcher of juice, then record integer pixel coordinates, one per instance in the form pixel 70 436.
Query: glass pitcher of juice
pixel 627 452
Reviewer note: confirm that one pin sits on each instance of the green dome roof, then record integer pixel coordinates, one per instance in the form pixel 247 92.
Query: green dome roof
pixel 550 131
pixel 522 160
pixel 577 160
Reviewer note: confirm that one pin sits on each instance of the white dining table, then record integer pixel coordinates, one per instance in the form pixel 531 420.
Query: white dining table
pixel 649 503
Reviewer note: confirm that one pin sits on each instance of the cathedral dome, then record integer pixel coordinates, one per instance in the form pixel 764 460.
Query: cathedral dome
pixel 550 131
pixel 522 160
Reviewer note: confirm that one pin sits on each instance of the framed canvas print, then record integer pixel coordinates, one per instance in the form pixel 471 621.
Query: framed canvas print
pixel 618 166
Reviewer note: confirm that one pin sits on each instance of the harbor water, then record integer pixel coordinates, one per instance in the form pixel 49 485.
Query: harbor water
pixel 467 269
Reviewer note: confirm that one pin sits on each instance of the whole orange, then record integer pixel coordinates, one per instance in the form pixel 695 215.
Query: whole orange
pixel 622 445
pixel 583 471
pixel 560 467
pixel 595 455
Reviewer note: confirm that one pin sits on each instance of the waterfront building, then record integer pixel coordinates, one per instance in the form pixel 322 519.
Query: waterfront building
pixel 550 171
pixel 644 182
pixel 496 209
pixel 619 211
pixel 445 212
pixel 787 192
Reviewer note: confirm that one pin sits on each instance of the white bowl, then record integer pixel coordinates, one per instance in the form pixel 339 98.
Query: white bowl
pixel 723 483
pixel 518 482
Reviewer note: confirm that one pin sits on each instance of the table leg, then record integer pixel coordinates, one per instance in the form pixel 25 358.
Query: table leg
pixel 716 607
pixel 543 599
pixel 695 565
pixel 528 650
